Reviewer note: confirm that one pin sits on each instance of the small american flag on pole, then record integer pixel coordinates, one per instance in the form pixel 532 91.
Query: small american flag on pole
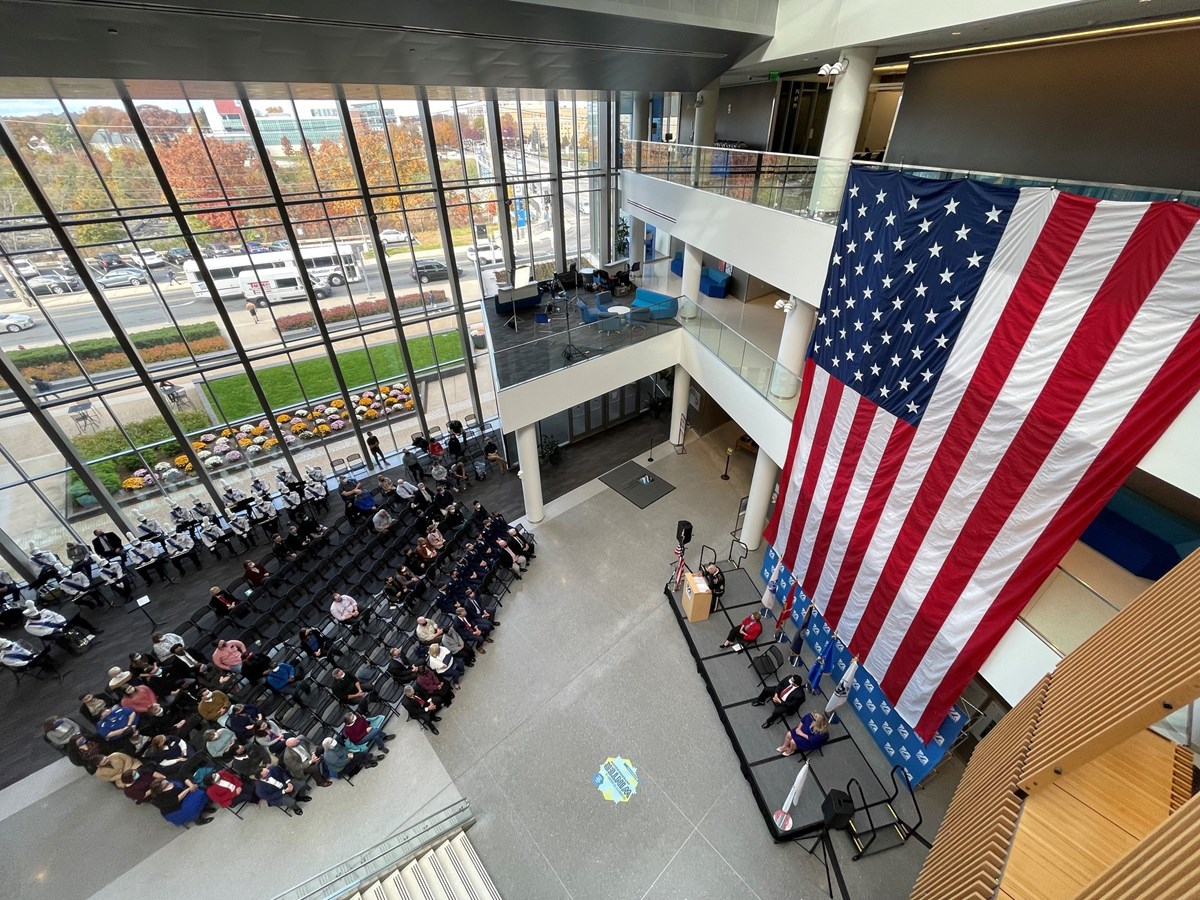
pixel 988 365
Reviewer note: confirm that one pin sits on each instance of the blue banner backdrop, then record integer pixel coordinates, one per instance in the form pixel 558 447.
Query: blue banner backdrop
pixel 895 738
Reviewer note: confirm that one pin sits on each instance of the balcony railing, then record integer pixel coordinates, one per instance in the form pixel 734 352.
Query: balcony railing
pixel 576 344
pixel 811 186
pixel 769 378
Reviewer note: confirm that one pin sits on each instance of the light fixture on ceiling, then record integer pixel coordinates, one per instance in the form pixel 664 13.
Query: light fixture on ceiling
pixel 787 305
pixel 833 70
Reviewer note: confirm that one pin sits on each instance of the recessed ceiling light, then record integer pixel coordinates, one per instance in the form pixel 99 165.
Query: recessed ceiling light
pixel 112 31
pixel 956 32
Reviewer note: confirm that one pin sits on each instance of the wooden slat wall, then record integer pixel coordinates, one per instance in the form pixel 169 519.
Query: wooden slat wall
pixel 1181 784
pixel 1124 678
pixel 976 834
pixel 1162 867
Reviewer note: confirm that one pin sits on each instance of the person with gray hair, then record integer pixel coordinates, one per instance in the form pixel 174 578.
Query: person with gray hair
pixel 419 709
pixel 341 763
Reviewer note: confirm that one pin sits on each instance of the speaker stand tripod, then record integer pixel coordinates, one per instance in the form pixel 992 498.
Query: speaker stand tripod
pixel 830 861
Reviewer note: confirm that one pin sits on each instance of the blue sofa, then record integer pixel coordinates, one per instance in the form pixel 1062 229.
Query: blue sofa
pixel 661 306
pixel 508 301
pixel 714 282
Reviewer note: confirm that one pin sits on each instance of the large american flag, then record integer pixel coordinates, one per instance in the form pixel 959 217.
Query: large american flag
pixel 988 364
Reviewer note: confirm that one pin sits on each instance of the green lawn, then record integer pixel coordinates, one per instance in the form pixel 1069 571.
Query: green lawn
pixel 234 397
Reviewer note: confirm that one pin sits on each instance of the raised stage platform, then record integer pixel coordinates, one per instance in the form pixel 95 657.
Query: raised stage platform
pixel 733 684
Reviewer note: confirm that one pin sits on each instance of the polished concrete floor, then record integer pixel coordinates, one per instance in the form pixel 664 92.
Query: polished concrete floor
pixel 588 665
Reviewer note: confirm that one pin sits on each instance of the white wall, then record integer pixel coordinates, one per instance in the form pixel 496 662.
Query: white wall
pixel 1173 458
pixel 817 26
pixel 785 250
pixel 1018 662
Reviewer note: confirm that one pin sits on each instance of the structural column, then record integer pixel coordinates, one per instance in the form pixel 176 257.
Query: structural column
pixel 639 130
pixel 841 127
pixel 679 403
pixel 762 485
pixel 704 134
pixel 531 473
pixel 693 262
pixel 793 344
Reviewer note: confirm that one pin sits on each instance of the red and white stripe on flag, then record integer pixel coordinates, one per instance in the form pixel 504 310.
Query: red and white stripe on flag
pixel 921 543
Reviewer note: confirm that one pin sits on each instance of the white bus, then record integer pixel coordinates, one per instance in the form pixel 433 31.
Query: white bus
pixel 335 264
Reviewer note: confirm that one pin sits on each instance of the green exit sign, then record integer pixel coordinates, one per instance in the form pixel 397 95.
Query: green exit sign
pixel 774 76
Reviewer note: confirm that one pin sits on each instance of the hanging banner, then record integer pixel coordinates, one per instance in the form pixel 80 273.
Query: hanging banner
pixel 891 733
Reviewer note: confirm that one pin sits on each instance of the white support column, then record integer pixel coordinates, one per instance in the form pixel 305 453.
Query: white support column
pixel 762 484
pixel 797 331
pixel 693 262
pixel 679 403
pixel 531 473
pixel 705 131
pixel 841 128
pixel 639 128
pixel 637 241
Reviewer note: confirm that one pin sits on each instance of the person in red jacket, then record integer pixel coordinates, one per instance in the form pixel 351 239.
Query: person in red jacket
pixel 224 788
pixel 747 632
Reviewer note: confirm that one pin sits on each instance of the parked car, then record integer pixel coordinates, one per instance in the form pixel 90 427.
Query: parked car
pixel 177 255
pixel 217 249
pixel 279 245
pixel 16 321
pixel 395 236
pixel 109 259
pixel 122 277
pixel 25 267
pixel 427 270
pixel 147 258
pixel 485 252
pixel 54 284
pixel 256 247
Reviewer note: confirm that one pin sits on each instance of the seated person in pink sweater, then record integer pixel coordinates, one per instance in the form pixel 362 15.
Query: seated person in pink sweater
pixel 230 655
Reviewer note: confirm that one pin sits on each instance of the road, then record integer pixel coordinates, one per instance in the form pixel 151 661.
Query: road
pixel 141 307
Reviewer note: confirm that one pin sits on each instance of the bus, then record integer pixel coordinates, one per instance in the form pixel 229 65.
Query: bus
pixel 335 264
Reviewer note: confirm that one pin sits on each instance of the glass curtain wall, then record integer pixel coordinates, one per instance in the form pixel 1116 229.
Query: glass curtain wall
pixel 164 393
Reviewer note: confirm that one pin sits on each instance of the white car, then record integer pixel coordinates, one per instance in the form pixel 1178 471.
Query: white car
pixel 15 321
pixel 486 252
pixel 147 258
pixel 395 236
pixel 25 267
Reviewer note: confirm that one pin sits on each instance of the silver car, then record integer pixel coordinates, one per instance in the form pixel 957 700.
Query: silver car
pixel 16 321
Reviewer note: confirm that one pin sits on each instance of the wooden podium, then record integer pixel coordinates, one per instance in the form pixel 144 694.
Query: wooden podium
pixel 697 598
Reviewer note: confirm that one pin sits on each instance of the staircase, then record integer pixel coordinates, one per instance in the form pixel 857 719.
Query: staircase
pixel 450 871
pixel 891 830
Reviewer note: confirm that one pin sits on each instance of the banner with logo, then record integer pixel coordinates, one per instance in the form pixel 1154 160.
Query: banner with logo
pixel 895 738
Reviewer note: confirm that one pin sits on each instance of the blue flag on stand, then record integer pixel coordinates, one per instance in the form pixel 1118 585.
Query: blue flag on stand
pixel 821 665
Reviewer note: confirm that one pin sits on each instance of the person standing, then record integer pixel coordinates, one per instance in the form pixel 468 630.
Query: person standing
pixel 414 466
pixel 376 450
pixel 716 583
pixel 252 308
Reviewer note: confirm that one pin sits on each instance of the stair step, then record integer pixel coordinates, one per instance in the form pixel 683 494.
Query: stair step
pixel 432 882
pixel 393 887
pixel 413 881
pixel 450 874
pixel 475 874
pixel 374 892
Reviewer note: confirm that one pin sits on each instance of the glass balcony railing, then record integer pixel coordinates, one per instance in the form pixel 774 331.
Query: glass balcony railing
pixel 574 345
pixel 811 186
pixel 759 369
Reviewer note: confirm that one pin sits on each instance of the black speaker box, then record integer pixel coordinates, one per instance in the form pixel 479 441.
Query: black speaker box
pixel 683 531
pixel 838 809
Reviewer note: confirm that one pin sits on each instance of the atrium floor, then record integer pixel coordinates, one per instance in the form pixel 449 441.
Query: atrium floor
pixel 588 664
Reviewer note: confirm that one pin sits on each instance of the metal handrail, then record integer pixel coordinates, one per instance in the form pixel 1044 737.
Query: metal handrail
pixel 1178 193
